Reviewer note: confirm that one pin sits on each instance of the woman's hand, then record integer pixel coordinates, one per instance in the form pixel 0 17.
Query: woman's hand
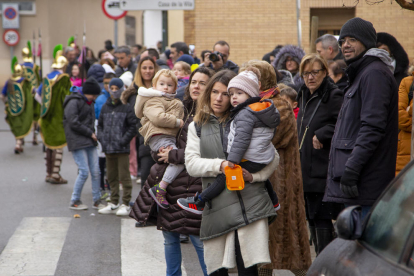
pixel 163 154
pixel 247 176
pixel 316 143
pixel 226 164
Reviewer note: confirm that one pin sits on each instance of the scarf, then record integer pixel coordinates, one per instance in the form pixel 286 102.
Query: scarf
pixel 269 93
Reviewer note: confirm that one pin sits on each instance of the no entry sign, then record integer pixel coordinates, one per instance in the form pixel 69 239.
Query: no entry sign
pixel 11 37
pixel 10 16
pixel 111 9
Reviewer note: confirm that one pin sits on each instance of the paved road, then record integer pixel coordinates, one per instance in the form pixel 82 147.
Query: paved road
pixel 40 236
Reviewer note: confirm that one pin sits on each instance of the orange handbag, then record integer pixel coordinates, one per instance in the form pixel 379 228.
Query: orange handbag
pixel 234 178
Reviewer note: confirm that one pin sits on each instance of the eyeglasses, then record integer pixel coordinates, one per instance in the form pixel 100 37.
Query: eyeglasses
pixel 350 40
pixel 314 73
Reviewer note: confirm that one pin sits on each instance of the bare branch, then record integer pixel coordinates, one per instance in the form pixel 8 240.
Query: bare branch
pixel 406 4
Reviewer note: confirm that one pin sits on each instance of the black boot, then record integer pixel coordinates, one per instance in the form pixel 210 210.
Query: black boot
pixel 312 238
pixel 324 237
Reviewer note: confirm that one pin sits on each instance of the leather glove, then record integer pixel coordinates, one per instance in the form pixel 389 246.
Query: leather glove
pixel 349 183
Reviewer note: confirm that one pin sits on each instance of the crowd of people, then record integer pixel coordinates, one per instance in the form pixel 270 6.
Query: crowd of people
pixel 313 133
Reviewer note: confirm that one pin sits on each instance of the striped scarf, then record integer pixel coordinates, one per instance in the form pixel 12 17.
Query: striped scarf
pixel 269 93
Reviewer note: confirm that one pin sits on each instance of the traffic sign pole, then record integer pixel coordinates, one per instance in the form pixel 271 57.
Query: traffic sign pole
pixel 112 10
pixel 116 33
pixel 11 52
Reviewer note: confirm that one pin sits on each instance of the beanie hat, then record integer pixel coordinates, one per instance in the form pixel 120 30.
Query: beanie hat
pixel 127 78
pixel 91 87
pixel 360 29
pixel 186 58
pixel 117 82
pixel 247 81
pixel 108 69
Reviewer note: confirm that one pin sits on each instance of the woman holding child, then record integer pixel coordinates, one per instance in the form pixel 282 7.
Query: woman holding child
pixel 234 226
pixel 174 221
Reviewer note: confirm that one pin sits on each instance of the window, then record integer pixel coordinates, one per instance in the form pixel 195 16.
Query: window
pixel 130 25
pixel 332 19
pixel 392 219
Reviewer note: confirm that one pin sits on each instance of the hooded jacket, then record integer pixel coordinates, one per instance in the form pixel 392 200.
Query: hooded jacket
pixel 251 132
pixel 97 72
pixel 78 122
pixel 315 161
pixel 159 114
pixel 365 138
pixel 296 54
pixel 116 127
pixel 398 53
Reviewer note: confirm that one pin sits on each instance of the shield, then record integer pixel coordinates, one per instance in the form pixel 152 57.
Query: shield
pixel 15 99
pixel 46 97
pixel 30 76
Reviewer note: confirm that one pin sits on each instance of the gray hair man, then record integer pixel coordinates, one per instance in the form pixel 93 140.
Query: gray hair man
pixel 328 48
pixel 125 63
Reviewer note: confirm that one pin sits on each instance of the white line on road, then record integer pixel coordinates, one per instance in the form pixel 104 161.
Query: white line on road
pixel 142 250
pixel 35 247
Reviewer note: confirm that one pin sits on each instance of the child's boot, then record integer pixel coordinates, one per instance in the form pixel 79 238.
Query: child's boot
pixel 159 196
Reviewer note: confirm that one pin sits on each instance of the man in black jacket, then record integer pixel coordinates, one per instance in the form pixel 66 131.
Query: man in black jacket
pixel 125 62
pixel 79 125
pixel 364 145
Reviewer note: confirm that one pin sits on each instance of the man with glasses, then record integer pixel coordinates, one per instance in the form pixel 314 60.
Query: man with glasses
pixel 364 145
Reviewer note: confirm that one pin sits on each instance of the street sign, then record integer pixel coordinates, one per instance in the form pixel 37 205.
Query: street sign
pixel 10 16
pixel 129 5
pixel 111 9
pixel 11 37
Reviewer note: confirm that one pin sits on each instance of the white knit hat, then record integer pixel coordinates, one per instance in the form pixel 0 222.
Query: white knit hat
pixel 127 78
pixel 247 81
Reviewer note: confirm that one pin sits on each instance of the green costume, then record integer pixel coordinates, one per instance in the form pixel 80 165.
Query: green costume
pixel 54 93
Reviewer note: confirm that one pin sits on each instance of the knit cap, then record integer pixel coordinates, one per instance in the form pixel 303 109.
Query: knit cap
pixel 127 78
pixel 91 87
pixel 186 58
pixel 360 29
pixel 117 82
pixel 247 81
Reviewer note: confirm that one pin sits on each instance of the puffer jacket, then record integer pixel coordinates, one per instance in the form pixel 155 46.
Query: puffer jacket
pixel 296 54
pixel 159 114
pixel 116 127
pixel 251 131
pixel 173 219
pixel 78 122
pixel 404 123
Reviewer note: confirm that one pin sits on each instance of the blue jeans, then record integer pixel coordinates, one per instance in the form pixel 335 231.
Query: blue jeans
pixel 364 211
pixel 87 160
pixel 172 250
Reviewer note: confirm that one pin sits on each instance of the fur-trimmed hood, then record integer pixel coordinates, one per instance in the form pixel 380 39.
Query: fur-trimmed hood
pixel 128 93
pixel 288 51
pixel 397 52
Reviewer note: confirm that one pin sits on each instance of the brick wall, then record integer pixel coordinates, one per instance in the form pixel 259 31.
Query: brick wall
pixel 255 27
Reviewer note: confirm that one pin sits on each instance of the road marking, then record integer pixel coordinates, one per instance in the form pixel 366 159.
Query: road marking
pixel 142 250
pixel 35 247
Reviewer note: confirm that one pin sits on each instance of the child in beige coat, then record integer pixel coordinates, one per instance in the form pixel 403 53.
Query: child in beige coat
pixel 161 117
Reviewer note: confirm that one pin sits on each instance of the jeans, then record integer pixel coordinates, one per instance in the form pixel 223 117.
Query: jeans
pixel 172 248
pixel 365 210
pixel 87 160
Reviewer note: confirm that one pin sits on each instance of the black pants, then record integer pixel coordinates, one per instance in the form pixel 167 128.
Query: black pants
pixel 220 183
pixel 242 271
pixel 102 166
pixel 146 163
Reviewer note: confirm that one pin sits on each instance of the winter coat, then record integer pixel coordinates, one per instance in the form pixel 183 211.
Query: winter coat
pixel 339 56
pixel 292 235
pixel 343 82
pixel 404 123
pixel 131 68
pixel 100 101
pixel 366 132
pixel 286 78
pixel 159 114
pixel 116 127
pixel 315 161
pixel 173 219
pixel 162 64
pixel 251 131
pixel 229 65
pixel 180 93
pixel 398 53
pixel 130 96
pixel 296 54
pixel 78 122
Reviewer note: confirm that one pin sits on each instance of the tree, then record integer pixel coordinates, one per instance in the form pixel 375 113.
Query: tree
pixel 405 4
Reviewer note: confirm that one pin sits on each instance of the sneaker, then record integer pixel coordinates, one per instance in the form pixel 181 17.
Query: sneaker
pixel 133 177
pixel 277 207
pixel 78 205
pixel 123 210
pixel 98 205
pixel 139 180
pixel 109 209
pixel 192 204
pixel 158 194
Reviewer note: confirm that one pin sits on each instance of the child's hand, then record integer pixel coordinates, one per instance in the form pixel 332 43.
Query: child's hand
pixel 181 123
